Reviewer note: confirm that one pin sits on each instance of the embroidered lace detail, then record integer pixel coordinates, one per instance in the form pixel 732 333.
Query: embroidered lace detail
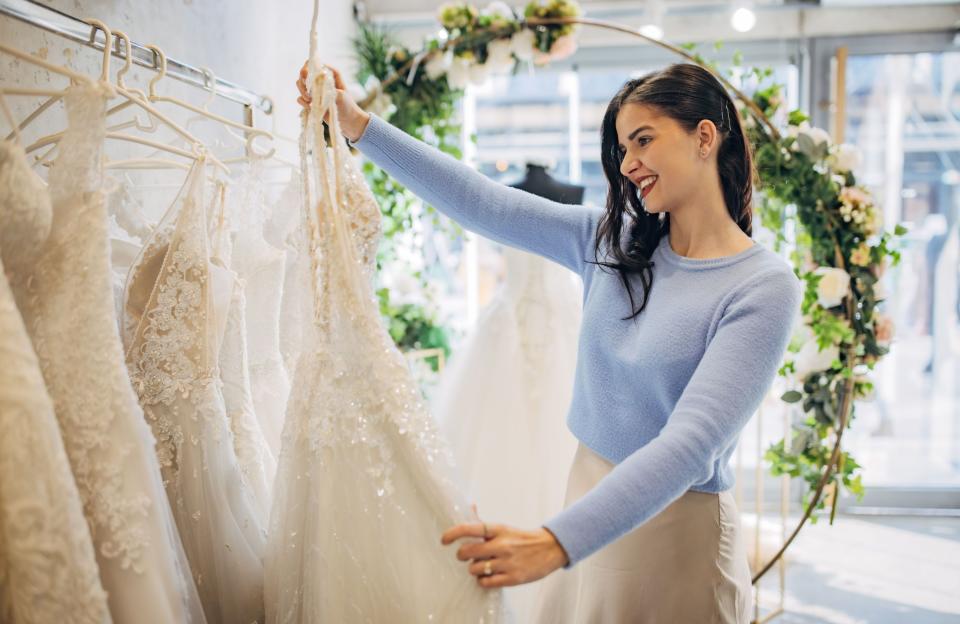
pixel 67 305
pixel 178 304
pixel 48 568
pixel 26 213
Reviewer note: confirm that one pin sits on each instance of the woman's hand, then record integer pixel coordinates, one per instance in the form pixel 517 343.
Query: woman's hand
pixel 507 556
pixel 353 119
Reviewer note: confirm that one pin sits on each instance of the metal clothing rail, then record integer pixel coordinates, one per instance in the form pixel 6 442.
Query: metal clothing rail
pixel 77 30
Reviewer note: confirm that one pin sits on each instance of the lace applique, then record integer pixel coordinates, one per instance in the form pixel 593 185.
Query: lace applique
pixel 176 298
pixel 67 305
pixel 48 568
pixel 24 209
pixel 168 357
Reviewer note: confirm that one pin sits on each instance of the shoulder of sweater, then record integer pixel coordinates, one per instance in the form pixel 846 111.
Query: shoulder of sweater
pixel 771 283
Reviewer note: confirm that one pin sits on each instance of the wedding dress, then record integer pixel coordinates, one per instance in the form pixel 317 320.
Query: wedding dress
pixel 505 395
pixel 261 266
pixel 363 492
pixel 48 569
pixel 179 302
pixel 257 462
pixel 67 307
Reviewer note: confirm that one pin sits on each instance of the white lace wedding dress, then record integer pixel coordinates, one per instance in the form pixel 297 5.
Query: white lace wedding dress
pixel 48 569
pixel 257 462
pixel 363 492
pixel 261 266
pixel 67 307
pixel 505 395
pixel 179 303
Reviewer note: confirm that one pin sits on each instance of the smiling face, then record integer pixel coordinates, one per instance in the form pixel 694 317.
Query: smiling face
pixel 659 157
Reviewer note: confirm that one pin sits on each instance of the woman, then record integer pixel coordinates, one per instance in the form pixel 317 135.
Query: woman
pixel 685 321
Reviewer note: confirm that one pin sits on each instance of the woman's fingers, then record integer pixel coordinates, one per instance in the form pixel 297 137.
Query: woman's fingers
pixel 486 567
pixel 497 580
pixel 470 529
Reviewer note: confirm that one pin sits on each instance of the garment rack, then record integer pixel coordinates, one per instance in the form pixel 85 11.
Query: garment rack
pixel 79 31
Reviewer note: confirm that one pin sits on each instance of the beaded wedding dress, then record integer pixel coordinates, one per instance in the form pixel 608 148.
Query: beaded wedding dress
pixel 363 492
pixel 67 306
pixel 48 569
pixel 178 303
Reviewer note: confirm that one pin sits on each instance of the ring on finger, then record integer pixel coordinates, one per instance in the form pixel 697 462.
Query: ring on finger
pixel 488 568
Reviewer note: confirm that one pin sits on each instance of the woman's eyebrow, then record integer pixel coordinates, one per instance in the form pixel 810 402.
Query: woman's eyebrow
pixel 637 131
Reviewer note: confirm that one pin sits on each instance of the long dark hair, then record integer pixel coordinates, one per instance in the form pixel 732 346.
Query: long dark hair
pixel 687 94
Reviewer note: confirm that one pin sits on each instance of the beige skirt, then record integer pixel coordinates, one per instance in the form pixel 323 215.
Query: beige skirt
pixel 685 565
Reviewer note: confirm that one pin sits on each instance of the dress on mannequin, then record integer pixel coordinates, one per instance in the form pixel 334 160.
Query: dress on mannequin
pixel 506 392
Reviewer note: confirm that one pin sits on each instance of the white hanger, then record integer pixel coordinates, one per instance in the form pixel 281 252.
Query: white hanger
pixel 54 95
pixel 133 98
pixel 251 133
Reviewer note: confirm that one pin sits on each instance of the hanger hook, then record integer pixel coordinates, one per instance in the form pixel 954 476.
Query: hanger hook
pixel 209 83
pixel 160 64
pixel 120 35
pixel 107 44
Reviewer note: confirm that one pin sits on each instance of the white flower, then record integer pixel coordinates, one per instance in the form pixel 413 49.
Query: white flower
pixel 403 287
pixel 817 135
pixel 810 140
pixel 382 105
pixel 846 158
pixel 438 64
pixel 833 286
pixel 500 56
pixel 458 75
pixel 811 359
pixel 523 43
pixel 479 72
pixel 499 9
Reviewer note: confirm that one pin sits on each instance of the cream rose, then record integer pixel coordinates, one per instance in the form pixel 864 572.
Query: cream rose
pixel 523 44
pixel 811 359
pixel 458 75
pixel 833 286
pixel 846 158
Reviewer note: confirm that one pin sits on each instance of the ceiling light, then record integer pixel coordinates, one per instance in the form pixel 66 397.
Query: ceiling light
pixel 653 20
pixel 743 19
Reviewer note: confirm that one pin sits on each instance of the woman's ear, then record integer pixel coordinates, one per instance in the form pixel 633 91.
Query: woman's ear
pixel 707 137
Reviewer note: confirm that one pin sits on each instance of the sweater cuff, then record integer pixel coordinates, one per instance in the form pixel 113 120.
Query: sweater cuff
pixel 366 137
pixel 565 530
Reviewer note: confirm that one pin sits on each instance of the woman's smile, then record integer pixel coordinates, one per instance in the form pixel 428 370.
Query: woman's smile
pixel 646 185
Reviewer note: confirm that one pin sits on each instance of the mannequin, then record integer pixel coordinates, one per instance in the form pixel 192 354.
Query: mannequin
pixel 539 182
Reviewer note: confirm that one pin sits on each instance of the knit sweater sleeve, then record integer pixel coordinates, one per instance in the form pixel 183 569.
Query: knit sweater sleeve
pixel 560 232
pixel 734 374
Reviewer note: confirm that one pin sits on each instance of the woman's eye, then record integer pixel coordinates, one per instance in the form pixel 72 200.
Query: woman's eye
pixel 644 140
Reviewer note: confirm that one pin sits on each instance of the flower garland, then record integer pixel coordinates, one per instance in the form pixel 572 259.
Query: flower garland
pixel 840 246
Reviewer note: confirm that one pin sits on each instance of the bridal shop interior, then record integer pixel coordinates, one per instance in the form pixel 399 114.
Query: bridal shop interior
pixel 223 323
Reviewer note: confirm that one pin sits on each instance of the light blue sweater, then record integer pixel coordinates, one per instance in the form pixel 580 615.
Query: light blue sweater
pixel 664 396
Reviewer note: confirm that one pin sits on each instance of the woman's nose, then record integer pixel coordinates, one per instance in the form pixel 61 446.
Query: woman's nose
pixel 629 165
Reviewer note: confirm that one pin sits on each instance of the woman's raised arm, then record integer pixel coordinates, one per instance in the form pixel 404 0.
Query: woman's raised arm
pixel 561 232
